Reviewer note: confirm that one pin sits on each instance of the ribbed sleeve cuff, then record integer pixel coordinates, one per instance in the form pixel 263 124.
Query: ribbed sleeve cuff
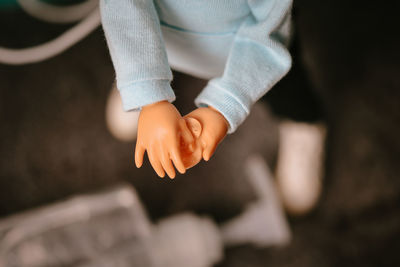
pixel 139 94
pixel 228 104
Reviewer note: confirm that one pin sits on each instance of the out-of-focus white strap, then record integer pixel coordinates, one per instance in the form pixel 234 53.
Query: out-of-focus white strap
pixel 54 47
pixel 58 14
pixel 87 13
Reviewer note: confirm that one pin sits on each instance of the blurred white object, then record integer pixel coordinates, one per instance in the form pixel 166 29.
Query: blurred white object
pixel 106 229
pixel 300 165
pixel 88 13
pixel 58 14
pixel 121 124
pixel 263 223
pixel 112 229
pixel 187 240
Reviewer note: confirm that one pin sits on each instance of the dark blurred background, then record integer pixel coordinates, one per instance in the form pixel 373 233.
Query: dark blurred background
pixel 346 73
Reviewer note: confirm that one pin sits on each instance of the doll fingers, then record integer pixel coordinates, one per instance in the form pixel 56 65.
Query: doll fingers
pixel 139 153
pixel 185 132
pixel 155 162
pixel 207 154
pixel 209 147
pixel 176 158
pixel 167 164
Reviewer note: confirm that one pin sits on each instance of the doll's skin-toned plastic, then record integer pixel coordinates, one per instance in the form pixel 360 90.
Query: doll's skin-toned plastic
pixel 214 127
pixel 168 137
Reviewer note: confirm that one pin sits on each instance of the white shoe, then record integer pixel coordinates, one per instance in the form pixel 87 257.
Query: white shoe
pixel 121 124
pixel 300 165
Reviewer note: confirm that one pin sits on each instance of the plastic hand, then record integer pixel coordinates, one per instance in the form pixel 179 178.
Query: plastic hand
pixel 191 154
pixel 161 130
pixel 214 128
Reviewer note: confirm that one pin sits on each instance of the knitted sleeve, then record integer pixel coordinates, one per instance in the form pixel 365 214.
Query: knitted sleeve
pixel 256 62
pixel 133 34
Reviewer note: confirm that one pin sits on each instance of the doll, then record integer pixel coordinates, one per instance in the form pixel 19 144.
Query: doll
pixel 236 44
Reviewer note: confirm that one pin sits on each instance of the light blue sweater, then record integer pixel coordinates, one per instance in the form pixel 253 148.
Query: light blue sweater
pixel 234 43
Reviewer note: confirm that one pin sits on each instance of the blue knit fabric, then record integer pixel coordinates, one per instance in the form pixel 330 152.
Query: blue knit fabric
pixel 232 42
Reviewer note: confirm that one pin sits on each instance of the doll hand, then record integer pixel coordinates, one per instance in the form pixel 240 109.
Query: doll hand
pixel 191 154
pixel 161 130
pixel 214 129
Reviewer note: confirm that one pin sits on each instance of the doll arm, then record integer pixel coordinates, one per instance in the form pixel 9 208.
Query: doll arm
pixel 133 34
pixel 255 63
pixel 161 131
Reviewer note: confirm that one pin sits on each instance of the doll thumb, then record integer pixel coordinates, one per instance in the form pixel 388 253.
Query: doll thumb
pixel 194 126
